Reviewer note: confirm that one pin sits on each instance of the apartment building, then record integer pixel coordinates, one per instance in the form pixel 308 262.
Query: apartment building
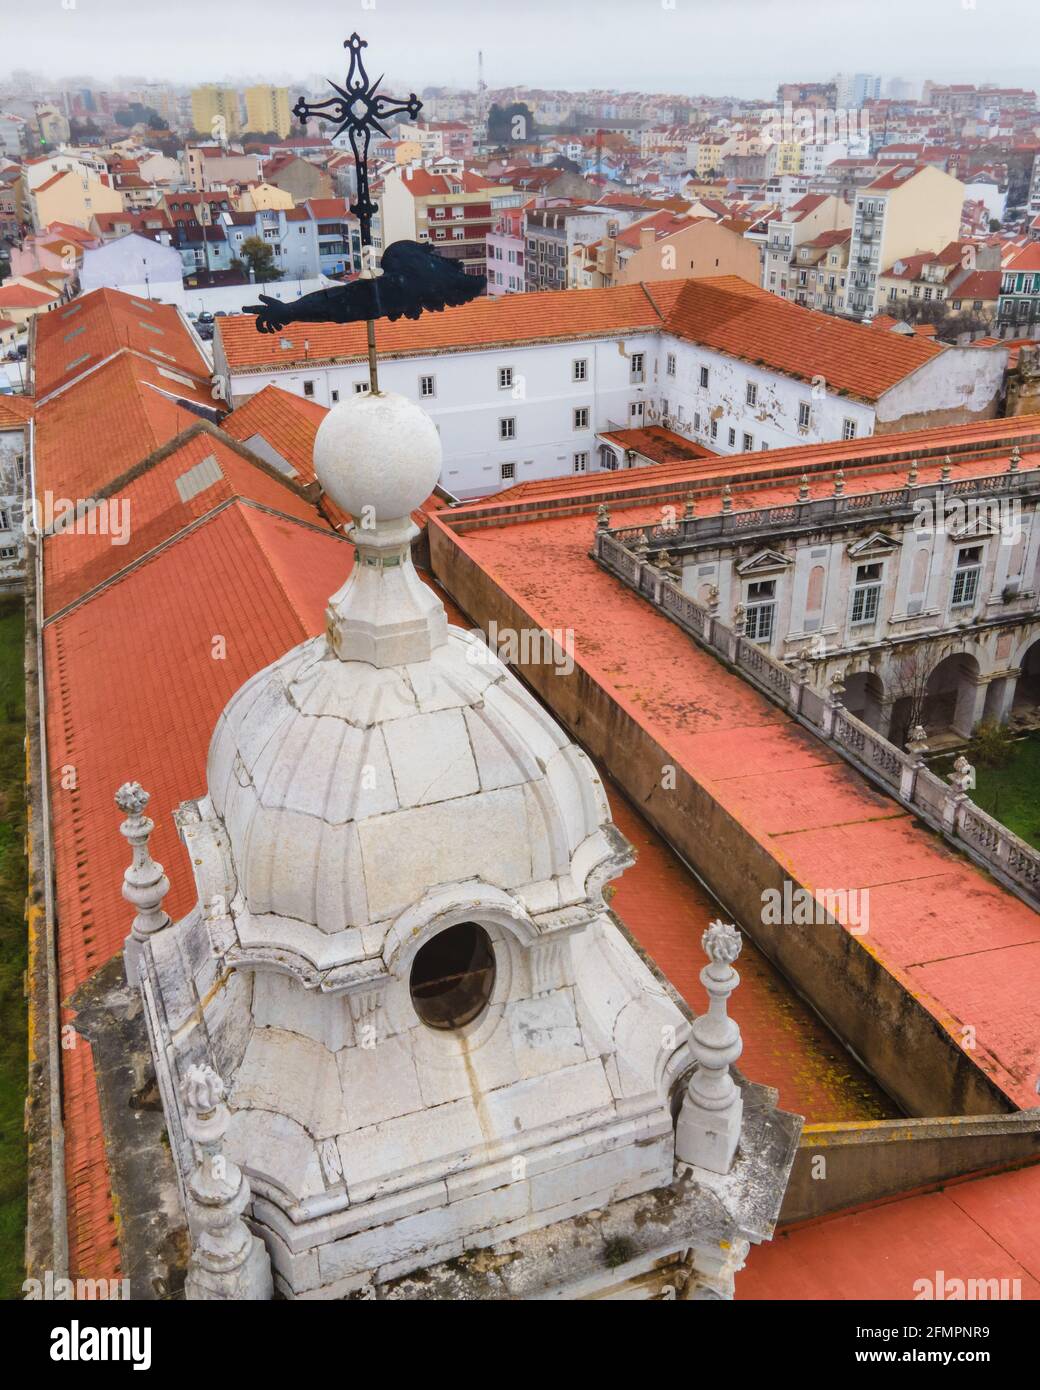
pixel 505 253
pixel 783 273
pixel 906 210
pixel 552 234
pixel 215 111
pixel 267 108
pixel 454 211
pixel 220 166
pixel 1018 307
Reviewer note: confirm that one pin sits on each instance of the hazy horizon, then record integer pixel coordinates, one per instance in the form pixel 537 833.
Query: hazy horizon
pixel 682 47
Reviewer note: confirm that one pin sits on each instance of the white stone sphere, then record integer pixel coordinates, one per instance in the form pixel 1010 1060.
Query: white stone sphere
pixel 379 452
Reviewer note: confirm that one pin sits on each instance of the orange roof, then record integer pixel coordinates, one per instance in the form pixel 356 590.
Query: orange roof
pixel 724 313
pixel 262 582
pixel 77 455
pixel 657 443
pixel 72 340
pixel 15 411
pixel 24 297
pixel 288 423
pixel 157 500
pixel 1027 259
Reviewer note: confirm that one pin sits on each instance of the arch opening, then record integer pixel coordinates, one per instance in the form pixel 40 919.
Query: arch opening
pixel 452 976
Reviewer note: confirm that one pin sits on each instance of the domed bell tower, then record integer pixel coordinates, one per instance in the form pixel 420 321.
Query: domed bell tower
pixel 436 1062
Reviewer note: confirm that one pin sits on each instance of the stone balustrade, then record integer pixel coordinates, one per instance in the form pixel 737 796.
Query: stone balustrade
pixel 942 806
pixel 822 512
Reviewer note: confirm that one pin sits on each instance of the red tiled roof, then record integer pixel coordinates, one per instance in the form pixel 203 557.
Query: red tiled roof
pixel 725 313
pixel 110 320
pixel 287 422
pixel 654 442
pixel 1027 259
pixel 76 457
pixel 262 582
pixel 981 284
pixel 895 178
pixel 76 561
pixel 24 297
pixel 15 411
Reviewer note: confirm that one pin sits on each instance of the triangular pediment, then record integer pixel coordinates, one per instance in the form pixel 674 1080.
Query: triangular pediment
pixel 877 543
pixel 980 527
pixel 763 560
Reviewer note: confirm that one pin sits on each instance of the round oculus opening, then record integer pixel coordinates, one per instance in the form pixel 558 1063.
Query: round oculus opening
pixel 453 976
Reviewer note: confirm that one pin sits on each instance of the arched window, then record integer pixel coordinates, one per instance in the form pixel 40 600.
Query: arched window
pixel 453 976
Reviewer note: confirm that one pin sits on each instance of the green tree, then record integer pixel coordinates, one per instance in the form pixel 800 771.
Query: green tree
pixel 260 258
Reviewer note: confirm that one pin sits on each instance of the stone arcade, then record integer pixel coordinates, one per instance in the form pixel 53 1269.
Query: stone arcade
pixel 403 1048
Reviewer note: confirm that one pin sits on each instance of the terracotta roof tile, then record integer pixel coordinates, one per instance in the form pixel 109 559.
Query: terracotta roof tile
pixel 72 340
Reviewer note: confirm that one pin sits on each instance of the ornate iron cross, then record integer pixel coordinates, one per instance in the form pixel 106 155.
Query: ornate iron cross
pixel 359 109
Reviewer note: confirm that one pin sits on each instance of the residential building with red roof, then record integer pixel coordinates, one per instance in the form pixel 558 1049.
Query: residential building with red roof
pixel 904 211
pixel 1018 307
pixel 454 212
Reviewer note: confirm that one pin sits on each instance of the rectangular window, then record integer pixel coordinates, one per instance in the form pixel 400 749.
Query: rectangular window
pixel 637 366
pixel 427 387
pixel 507 427
pixel 508 472
pixel 635 413
pixel 804 415
pixel 748 443
pixel 360 388
pixel 670 364
pixel 505 378
pixel 714 429
pixel 866 593
pixel 752 393
pixel 580 369
pixel 731 437
pixel 581 462
pixel 335 396
pixel 760 609
pixel 308 388
pixel 704 376
pixel 581 418
pixel 848 429
pixel 966 576
pixel 697 421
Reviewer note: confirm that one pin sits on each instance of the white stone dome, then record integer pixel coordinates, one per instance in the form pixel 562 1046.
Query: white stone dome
pixel 349 791
pixel 377 456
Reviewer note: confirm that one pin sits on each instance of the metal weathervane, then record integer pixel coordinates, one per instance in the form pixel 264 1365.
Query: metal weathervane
pixel 412 278
pixel 358 109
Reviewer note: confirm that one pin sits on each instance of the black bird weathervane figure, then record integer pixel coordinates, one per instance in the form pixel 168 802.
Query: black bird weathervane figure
pixel 412 277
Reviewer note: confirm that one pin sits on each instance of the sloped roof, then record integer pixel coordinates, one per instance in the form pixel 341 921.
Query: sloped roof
pixel 188 478
pixel 262 582
pixel 89 435
pixel 93 326
pixel 724 313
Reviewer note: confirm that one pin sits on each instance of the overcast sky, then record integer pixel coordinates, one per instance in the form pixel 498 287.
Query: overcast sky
pixel 743 47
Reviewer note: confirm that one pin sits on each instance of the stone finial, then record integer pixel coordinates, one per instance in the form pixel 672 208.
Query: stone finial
pixel 911 477
pixel 689 507
pixel 727 498
pixel 1015 461
pixel 708 1128
pixel 713 600
pixel 836 687
pixel 962 776
pixel 839 483
pixel 602 517
pixel 803 488
pixel 917 743
pixel 739 620
pixel 144 883
pixel 227 1260
pixel 946 470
